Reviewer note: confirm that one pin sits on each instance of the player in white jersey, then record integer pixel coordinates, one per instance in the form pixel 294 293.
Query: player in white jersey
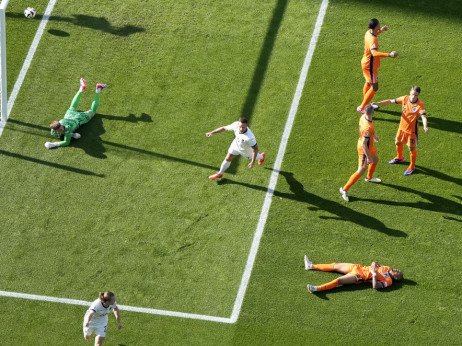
pixel 244 144
pixel 95 320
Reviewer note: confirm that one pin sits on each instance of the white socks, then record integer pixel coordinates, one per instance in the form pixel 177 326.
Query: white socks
pixel 224 166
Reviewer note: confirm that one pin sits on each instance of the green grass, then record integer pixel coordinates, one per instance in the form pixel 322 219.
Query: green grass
pixel 129 208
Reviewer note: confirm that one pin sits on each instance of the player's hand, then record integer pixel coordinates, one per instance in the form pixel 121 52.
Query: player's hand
pixel 384 28
pixel 50 145
pixel 76 135
pixel 251 164
pixel 209 134
pixel 393 54
pixel 119 325
pixel 376 139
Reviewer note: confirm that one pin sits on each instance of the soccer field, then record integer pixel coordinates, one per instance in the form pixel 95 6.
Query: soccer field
pixel 129 208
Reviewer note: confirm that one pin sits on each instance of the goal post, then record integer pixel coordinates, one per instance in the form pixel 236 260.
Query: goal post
pixel 3 91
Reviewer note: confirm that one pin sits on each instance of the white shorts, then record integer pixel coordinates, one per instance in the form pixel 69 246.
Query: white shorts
pixel 98 329
pixel 234 150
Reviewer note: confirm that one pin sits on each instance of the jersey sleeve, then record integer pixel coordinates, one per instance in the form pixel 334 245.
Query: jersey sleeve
pixel 399 100
pixel 252 141
pixel 66 141
pixel 93 306
pixel 232 127
pixel 422 111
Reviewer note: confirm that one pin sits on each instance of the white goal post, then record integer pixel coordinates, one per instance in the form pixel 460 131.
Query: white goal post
pixel 3 91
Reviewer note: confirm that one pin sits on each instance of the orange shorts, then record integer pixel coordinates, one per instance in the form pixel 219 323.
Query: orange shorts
pixel 361 272
pixel 409 138
pixel 370 74
pixel 362 157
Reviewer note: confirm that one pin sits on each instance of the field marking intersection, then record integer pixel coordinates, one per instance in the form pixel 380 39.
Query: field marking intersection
pixel 266 204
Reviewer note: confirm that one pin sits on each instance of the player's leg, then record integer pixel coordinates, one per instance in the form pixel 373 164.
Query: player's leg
pixel 372 79
pixel 362 167
pixel 99 340
pixel 371 169
pixel 224 166
pixel 411 168
pixel 76 100
pixel 401 137
pixel 346 279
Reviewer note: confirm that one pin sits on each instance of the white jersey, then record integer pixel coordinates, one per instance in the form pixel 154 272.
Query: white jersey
pixel 243 141
pixel 100 315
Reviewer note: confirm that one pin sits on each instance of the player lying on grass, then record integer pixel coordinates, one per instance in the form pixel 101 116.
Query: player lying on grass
pixel 379 276
pixel 74 119
pixel 244 144
pixel 408 131
pixel 95 320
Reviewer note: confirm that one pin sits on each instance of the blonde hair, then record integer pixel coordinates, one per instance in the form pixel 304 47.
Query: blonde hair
pixel 55 125
pixel 106 297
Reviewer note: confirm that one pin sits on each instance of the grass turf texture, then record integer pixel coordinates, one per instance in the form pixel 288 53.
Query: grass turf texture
pixel 128 206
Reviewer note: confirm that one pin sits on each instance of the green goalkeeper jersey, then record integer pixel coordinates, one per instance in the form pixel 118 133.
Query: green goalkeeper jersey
pixel 71 122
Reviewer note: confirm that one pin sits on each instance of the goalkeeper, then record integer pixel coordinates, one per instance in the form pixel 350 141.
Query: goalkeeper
pixel 74 119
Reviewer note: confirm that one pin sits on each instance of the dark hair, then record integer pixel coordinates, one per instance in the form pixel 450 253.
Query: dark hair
pixel 369 109
pixel 106 296
pixel 373 23
pixel 243 120
pixel 416 88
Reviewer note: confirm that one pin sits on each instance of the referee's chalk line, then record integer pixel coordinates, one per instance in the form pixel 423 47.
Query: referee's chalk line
pixel 27 61
pixel 263 215
pixel 277 164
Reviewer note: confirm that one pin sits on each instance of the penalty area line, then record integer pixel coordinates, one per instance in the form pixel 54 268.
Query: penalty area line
pixel 121 307
pixel 27 62
pixel 277 165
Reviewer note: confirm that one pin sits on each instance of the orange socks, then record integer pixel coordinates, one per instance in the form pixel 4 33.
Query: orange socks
pixel 323 267
pixel 399 150
pixel 371 170
pixel 353 179
pixel 366 89
pixel 367 98
pixel 413 158
pixel 328 286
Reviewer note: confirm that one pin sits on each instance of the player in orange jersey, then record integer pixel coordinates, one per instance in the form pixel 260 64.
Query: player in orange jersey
pixel 371 62
pixel 408 131
pixel 367 152
pixel 380 276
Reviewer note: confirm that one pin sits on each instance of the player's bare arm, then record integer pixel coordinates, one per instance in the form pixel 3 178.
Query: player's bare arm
pixel 366 151
pixel 393 54
pixel 88 318
pixel 116 314
pixel 218 130
pixel 383 103
pixel 424 121
pixel 384 28
pixel 254 155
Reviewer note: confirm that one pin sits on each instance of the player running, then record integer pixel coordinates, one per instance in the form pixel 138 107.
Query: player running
pixel 95 320
pixel 244 144
pixel 371 62
pixel 367 152
pixel 380 276
pixel 74 119
pixel 408 131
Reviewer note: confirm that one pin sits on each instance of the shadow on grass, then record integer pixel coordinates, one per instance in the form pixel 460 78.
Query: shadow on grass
pixel 435 203
pixel 50 164
pixel 366 286
pixel 341 212
pixel 85 21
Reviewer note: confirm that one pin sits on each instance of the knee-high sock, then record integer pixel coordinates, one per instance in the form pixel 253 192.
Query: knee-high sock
pixel 224 166
pixel 76 100
pixel 413 158
pixel 371 170
pixel 353 179
pixel 399 151
pixel 366 89
pixel 367 98
pixel 95 104
pixel 323 267
pixel 328 286
pixel 259 156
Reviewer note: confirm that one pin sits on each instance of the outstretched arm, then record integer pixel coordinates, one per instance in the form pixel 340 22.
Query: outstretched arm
pixel 116 314
pixel 218 130
pixel 384 102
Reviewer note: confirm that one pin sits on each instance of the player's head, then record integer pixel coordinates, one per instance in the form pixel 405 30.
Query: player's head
pixel 396 274
pixel 414 94
pixel 374 23
pixel 369 110
pixel 243 123
pixel 56 128
pixel 107 298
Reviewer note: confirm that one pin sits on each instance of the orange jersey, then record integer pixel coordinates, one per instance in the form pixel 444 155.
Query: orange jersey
pixel 371 56
pixel 367 131
pixel 363 274
pixel 410 114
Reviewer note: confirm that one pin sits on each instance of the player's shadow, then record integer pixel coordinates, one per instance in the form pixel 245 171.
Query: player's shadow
pixel 438 175
pixel 317 203
pixel 435 203
pixel 85 21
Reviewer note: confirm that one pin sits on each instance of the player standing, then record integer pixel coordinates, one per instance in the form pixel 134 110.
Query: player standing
pixel 95 320
pixel 244 144
pixel 379 276
pixel 74 119
pixel 367 152
pixel 371 62
pixel 408 131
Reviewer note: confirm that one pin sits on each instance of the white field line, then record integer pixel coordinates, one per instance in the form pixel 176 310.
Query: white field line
pixel 277 164
pixel 263 215
pixel 27 61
